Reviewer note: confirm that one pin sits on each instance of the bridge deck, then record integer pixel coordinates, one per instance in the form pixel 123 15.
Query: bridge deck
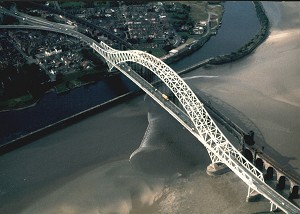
pixel 246 175
pixel 273 196
pixel 263 188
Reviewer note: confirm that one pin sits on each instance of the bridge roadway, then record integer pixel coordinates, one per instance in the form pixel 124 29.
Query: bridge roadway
pixel 258 185
pixel 39 24
pixel 183 118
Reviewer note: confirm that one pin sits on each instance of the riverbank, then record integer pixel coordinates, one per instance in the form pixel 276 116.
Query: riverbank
pixel 32 136
pixel 249 47
pixel 74 170
pixel 118 85
pixel 243 51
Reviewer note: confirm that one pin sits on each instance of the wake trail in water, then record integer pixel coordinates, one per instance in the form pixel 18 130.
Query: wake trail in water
pixel 201 76
pixel 146 141
pixel 166 148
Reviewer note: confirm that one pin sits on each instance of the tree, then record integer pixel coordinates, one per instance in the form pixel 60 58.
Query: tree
pixel 59 77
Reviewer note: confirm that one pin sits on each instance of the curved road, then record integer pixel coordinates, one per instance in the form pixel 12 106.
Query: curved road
pixel 259 185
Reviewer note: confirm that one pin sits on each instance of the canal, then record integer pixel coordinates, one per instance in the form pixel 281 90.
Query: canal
pixel 239 25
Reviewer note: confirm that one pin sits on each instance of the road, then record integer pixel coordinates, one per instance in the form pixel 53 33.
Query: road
pixel 177 113
pixel 39 24
pixel 273 196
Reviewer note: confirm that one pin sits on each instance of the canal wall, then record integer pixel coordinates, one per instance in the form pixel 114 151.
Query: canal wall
pixel 243 51
pixel 25 139
pixel 32 136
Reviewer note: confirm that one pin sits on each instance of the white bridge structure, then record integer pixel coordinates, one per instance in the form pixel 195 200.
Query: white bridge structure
pixel 195 118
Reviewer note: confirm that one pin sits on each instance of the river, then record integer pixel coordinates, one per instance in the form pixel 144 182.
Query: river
pixel 135 158
pixel 236 30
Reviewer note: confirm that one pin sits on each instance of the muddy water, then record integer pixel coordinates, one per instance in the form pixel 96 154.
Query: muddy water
pixel 158 167
pixel 265 86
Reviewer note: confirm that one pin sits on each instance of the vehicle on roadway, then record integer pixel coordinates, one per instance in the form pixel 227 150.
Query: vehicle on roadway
pixel 165 97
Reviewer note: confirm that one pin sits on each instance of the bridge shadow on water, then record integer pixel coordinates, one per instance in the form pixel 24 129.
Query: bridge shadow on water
pixel 167 148
pixel 245 123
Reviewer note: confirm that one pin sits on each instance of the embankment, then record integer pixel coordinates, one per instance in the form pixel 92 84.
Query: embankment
pixel 260 37
pixel 243 51
pixel 246 49
pixel 28 138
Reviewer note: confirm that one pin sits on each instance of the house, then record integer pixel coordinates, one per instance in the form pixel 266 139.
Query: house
pixel 173 52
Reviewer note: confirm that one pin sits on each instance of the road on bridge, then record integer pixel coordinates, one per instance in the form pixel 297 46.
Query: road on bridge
pixel 174 110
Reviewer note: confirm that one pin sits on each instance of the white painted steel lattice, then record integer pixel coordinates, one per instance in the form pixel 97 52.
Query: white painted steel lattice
pixel 199 123
pixel 204 128
pixel 220 149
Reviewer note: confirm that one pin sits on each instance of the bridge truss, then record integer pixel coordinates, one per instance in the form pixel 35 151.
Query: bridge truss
pixel 204 128
pixel 199 122
pixel 195 118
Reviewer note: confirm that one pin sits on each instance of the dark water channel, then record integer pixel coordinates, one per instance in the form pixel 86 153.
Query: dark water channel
pixel 239 25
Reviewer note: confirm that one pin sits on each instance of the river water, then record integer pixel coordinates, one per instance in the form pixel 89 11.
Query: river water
pixel 52 107
pixel 239 25
pixel 135 158
pixel 236 31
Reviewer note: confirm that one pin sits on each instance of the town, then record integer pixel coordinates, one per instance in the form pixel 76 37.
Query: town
pixel 168 30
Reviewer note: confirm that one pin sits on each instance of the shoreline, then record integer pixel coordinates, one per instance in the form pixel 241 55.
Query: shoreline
pixel 71 170
pixel 249 47
pixel 25 139
pixel 37 134
pixel 243 51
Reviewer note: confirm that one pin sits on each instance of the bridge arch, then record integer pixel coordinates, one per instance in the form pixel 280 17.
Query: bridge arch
pixel 181 90
pixel 281 182
pixel 259 163
pixel 270 173
pixel 205 129
pixel 294 192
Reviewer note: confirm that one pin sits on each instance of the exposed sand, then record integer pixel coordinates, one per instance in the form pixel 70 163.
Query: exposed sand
pixel 265 86
pixel 72 171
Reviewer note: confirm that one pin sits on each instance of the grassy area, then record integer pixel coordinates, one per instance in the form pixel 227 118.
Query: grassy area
pixel 184 34
pixel 71 4
pixel 217 9
pixel 158 52
pixel 16 102
pixel 198 10
pixel 100 4
pixel 61 88
pixel 66 86
pixel 79 78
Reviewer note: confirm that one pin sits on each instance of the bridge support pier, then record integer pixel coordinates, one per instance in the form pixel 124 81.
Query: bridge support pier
pixel 294 192
pixel 271 209
pixel 216 167
pixel 252 195
pixel 195 118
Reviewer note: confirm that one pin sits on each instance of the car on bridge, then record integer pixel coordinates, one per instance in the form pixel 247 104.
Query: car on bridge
pixel 165 97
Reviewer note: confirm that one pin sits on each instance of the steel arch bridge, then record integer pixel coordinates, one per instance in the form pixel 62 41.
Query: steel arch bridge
pixel 218 146
pixel 199 122
pixel 194 117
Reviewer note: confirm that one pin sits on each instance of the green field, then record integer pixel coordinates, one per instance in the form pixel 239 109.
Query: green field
pixel 71 4
pixel 158 52
pixel 16 102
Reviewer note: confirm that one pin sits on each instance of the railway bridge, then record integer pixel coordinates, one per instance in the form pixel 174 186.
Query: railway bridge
pixel 190 112
pixel 186 108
